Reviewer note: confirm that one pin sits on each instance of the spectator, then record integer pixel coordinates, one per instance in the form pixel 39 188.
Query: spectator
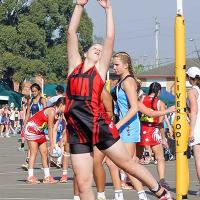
pixel 59 93
pixel 193 75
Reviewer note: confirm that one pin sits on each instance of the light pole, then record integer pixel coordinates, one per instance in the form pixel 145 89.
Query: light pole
pixel 195 47
pixel 157 27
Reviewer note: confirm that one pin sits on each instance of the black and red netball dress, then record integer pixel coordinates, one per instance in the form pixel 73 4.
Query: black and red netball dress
pixel 86 122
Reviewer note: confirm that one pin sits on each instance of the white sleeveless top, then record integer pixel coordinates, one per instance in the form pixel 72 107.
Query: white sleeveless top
pixel 197 124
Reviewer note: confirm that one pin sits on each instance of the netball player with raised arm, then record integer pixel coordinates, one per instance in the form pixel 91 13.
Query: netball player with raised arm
pixel 85 124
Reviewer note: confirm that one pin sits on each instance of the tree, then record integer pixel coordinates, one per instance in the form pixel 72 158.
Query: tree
pixel 138 68
pixel 33 39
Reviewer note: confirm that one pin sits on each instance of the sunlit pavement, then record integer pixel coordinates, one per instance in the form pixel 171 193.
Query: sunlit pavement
pixel 14 187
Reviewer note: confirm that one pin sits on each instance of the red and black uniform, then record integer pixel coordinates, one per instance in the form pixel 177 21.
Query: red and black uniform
pixel 86 122
pixel 150 134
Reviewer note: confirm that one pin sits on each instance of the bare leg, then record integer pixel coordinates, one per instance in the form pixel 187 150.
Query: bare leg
pixel 44 154
pixel 119 155
pixel 99 172
pixel 83 168
pixel 75 187
pixel 159 156
pixel 196 149
pixel 33 147
pixel 131 148
pixel 114 172
pixel 65 159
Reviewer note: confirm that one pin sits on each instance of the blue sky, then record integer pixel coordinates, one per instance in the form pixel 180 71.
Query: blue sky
pixel 135 25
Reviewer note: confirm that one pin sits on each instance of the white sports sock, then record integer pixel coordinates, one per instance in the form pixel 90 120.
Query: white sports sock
pixel 46 172
pixel 101 195
pixel 119 195
pixel 77 198
pixel 59 160
pixel 64 171
pixel 123 176
pixel 142 195
pixel 30 172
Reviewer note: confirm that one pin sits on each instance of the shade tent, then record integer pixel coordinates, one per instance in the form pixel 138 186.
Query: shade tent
pixel 165 96
pixel 50 89
pixel 13 97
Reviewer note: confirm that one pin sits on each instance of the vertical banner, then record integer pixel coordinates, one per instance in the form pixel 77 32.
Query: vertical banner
pixel 181 124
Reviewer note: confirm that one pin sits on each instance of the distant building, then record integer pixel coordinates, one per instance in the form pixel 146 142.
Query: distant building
pixel 165 75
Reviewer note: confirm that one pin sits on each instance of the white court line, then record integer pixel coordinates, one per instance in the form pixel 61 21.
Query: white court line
pixel 19 165
pixel 32 187
pixel 5 173
pixel 12 155
pixel 32 199
pixel 19 172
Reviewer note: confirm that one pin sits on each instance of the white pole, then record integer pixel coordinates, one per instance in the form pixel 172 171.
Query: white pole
pixel 42 85
pixel 180 7
pixel 157 42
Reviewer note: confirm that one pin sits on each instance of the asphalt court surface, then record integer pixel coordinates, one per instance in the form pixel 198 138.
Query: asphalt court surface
pixel 14 187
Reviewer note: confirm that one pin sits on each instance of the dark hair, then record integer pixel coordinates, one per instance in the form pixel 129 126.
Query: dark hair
pixel 37 86
pixel 60 88
pixel 155 87
pixel 196 80
pixel 61 100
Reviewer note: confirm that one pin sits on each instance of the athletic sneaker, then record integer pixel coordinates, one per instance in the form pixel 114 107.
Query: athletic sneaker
pixel 164 184
pixel 32 180
pixel 64 179
pixel 167 196
pixel 25 167
pixel 100 198
pixel 21 149
pixel 126 186
pixel 49 180
pixel 197 193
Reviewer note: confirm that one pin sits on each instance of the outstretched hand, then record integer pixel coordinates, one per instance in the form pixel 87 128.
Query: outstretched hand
pixel 104 3
pixel 81 2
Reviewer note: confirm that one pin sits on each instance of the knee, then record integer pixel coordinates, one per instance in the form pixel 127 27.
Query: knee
pixel 97 163
pixel 43 152
pixel 160 158
pixel 127 164
pixel 84 183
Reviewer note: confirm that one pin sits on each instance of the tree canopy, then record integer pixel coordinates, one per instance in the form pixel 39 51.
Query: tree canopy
pixel 33 39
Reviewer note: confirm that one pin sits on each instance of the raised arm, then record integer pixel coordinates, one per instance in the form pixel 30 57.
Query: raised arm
pixel 73 55
pixel 109 40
